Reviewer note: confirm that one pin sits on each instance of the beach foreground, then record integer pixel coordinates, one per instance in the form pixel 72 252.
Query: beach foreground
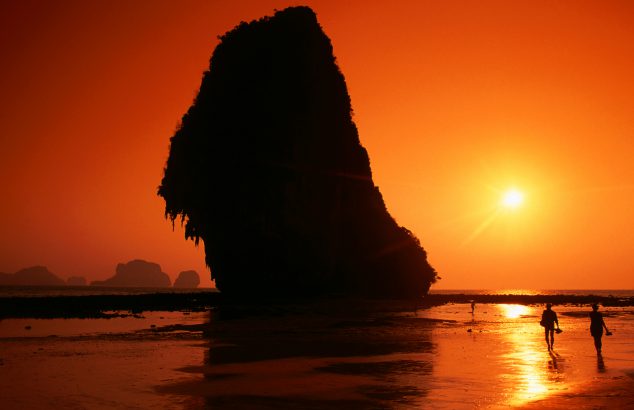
pixel 317 356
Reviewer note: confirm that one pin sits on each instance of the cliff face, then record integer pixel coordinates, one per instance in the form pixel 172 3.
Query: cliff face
pixel 267 169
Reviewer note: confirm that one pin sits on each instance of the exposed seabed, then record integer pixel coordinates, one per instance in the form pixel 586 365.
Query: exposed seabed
pixel 318 356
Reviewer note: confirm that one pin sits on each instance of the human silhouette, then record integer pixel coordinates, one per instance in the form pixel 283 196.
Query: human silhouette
pixel 549 319
pixel 472 307
pixel 596 327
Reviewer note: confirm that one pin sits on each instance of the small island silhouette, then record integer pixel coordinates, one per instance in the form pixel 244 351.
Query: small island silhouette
pixel 33 276
pixel 267 169
pixel 137 273
pixel 188 279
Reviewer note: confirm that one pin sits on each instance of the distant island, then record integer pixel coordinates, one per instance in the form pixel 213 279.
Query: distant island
pixel 188 279
pixel 137 273
pixel 268 170
pixel 33 276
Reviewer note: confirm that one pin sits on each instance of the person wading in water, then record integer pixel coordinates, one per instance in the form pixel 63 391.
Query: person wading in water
pixel 549 318
pixel 596 327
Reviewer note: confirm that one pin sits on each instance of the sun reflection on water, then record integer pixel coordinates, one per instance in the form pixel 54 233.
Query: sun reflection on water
pixel 517 291
pixel 514 311
pixel 528 365
pixel 532 367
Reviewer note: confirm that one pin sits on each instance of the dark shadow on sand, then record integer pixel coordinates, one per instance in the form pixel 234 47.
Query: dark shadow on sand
pixel 600 363
pixel 314 356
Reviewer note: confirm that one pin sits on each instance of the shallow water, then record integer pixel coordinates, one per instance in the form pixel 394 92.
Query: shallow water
pixel 563 292
pixel 52 328
pixel 501 354
pixel 309 357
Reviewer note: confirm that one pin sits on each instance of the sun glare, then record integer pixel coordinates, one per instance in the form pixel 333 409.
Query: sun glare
pixel 512 198
pixel 514 311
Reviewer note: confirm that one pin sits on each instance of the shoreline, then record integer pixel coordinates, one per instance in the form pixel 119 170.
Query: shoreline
pixel 102 306
pixel 108 306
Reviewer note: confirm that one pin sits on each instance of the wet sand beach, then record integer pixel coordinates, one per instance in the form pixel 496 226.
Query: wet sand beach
pixel 319 356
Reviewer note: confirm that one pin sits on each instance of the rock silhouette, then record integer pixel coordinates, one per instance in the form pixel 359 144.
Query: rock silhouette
pixel 268 170
pixel 76 281
pixel 137 273
pixel 33 276
pixel 187 279
pixel 5 278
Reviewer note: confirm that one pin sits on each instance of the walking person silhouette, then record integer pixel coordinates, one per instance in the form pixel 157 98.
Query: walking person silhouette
pixel 549 318
pixel 596 327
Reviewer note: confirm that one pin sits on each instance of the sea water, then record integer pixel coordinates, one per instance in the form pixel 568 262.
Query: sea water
pixel 621 293
pixel 36 291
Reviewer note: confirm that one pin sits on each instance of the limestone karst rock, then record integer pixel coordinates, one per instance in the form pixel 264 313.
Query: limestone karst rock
pixel 5 279
pixel 137 273
pixel 187 279
pixel 267 169
pixel 33 276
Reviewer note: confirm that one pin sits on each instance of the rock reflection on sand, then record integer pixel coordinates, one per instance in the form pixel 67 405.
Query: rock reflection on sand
pixel 318 356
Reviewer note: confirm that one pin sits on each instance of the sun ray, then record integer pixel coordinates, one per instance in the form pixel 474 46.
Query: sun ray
pixel 485 224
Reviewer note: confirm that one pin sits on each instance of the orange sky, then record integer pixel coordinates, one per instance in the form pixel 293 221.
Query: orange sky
pixel 455 101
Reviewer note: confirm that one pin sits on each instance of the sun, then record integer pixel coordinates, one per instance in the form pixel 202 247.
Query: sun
pixel 512 198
